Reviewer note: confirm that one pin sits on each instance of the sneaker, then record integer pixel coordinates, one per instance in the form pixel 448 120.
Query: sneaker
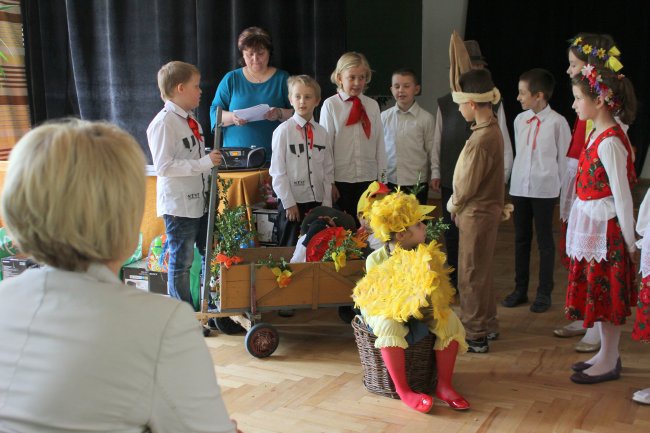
pixel 480 345
pixel 541 304
pixel 514 299
pixel 491 336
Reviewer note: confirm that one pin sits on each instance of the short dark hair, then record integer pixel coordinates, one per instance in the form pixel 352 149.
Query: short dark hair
pixel 539 80
pixel 254 38
pixel 408 72
pixel 477 81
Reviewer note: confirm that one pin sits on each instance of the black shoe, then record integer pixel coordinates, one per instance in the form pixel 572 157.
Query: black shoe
pixel 286 312
pixel 542 303
pixel 491 336
pixel 480 345
pixel 514 299
pixel 585 379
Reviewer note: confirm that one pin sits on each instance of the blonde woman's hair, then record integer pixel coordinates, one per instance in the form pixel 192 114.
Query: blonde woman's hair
pixel 172 74
pixel 306 81
pixel 347 61
pixel 74 194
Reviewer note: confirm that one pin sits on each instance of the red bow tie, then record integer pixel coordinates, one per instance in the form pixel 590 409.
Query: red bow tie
pixel 194 126
pixel 536 130
pixel 358 113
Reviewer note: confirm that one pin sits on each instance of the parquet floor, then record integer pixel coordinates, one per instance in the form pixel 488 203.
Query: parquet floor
pixel 312 383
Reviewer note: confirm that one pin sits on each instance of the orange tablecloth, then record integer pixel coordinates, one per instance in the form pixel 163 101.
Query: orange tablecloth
pixel 245 190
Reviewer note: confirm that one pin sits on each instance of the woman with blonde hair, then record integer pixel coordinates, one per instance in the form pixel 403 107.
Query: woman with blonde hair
pixel 79 350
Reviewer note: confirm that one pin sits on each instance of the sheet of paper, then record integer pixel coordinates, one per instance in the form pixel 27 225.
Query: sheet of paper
pixel 253 114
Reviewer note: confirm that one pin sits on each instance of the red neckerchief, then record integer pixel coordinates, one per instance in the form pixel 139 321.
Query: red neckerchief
pixel 310 134
pixel 358 113
pixel 194 126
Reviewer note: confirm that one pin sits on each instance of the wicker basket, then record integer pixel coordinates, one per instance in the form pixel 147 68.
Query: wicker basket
pixel 420 363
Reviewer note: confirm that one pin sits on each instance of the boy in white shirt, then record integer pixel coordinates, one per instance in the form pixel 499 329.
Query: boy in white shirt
pixel 301 161
pixel 178 152
pixel 542 138
pixel 408 135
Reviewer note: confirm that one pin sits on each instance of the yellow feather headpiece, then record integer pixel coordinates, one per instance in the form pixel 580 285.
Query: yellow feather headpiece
pixel 375 191
pixel 395 213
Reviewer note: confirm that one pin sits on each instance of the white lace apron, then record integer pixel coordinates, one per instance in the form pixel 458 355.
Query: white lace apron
pixel 587 228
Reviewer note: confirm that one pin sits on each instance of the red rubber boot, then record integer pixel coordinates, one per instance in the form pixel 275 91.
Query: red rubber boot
pixel 446 360
pixel 395 361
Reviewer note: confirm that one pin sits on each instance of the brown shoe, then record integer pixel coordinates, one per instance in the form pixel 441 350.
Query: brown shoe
pixel 566 333
pixel 583 347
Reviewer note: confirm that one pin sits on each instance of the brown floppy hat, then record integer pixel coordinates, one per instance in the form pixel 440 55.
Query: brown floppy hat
pixel 474 51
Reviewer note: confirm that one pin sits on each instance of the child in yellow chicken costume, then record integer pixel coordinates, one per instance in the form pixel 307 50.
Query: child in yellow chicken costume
pixel 406 282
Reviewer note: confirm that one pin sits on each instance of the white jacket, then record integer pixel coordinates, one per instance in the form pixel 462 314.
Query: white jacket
pixel 82 352
pixel 180 163
pixel 302 173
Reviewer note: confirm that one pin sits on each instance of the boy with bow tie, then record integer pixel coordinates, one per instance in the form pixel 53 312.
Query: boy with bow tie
pixel 542 138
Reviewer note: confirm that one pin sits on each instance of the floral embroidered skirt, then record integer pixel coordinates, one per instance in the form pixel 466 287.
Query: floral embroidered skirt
pixel 562 244
pixel 602 291
pixel 641 330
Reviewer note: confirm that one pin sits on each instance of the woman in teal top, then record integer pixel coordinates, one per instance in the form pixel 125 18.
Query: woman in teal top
pixel 255 83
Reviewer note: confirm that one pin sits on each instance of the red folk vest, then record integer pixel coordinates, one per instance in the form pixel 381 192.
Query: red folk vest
pixel 592 182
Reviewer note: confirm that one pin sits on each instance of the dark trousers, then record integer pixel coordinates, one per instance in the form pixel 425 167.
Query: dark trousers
pixel 451 235
pixel 422 196
pixel 349 197
pixel 537 211
pixel 289 231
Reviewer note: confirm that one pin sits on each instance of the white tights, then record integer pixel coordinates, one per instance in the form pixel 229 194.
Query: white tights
pixel 606 358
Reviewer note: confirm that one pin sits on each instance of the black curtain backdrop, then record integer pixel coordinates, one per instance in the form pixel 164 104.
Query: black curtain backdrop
pixel 516 36
pixel 98 59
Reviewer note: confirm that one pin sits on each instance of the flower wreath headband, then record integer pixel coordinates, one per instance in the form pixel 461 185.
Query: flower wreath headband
pixel 597 86
pixel 610 58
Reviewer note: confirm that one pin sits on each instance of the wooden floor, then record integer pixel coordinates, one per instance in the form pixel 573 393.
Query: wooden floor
pixel 312 383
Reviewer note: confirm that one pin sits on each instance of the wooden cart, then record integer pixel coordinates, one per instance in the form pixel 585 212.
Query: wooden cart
pixel 247 289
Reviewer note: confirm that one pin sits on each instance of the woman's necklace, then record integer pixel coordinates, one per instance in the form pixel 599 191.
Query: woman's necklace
pixel 253 75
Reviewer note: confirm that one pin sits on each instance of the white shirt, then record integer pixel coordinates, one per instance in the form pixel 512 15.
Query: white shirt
pixel 642 228
pixel 180 162
pixel 507 145
pixel 409 141
pixel 541 144
pixel 82 352
pixel 357 158
pixel 301 174
pixel 587 225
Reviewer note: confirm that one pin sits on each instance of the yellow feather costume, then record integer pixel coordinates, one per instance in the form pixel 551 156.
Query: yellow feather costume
pixel 405 284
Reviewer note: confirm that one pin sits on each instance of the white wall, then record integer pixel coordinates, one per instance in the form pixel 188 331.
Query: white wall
pixel 439 19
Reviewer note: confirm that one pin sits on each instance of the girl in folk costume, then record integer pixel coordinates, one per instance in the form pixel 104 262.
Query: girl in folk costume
pixel 406 294
pixel 641 330
pixel 600 233
pixel 354 121
pixel 599 50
